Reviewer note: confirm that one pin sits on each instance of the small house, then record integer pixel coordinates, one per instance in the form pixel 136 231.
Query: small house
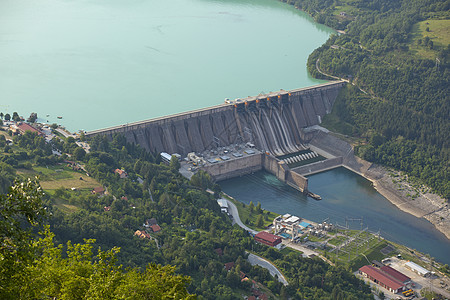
pixel 155 228
pixel 122 173
pixel 98 191
pixel 142 234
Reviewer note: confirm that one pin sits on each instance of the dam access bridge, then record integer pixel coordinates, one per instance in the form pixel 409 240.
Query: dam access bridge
pixel 273 123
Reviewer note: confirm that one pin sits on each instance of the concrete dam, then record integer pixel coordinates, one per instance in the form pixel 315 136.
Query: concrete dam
pixel 272 122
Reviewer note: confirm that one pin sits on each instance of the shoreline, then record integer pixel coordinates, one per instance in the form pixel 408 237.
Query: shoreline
pixel 392 185
pixel 397 191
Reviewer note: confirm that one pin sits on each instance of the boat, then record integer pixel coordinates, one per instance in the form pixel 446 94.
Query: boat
pixel 59 117
pixel 314 196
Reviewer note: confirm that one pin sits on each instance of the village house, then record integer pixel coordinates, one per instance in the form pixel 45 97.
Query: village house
pixel 155 228
pixel 142 234
pixel 122 173
pixel 98 191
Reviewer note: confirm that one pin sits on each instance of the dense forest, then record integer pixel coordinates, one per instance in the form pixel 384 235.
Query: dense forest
pixel 195 237
pixel 398 97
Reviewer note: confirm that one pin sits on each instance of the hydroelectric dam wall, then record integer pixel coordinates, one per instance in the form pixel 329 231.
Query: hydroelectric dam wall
pixel 272 122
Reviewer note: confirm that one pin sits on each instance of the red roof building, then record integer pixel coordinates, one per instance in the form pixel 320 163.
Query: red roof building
pixel 155 228
pixel 229 266
pixel 24 127
pixel 267 238
pixel 382 279
pixel 395 274
pixel 122 173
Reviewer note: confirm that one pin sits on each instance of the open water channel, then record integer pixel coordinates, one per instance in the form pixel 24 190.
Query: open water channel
pixel 344 195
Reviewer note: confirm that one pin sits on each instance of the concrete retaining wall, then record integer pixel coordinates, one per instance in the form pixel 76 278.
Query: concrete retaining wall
pixel 297 181
pixel 236 167
pixel 319 166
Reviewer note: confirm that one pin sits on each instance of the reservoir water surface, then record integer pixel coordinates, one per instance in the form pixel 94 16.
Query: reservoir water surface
pixel 344 194
pixel 98 63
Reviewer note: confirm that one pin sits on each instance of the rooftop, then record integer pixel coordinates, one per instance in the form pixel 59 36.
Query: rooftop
pixel 416 267
pixel 381 277
pixel 394 273
pixel 264 235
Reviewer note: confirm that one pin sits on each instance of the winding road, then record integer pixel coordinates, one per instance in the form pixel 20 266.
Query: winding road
pixel 256 260
pixel 252 258
pixel 232 209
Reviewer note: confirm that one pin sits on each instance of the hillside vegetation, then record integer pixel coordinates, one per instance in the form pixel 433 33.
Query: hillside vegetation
pixel 193 243
pixel 396 51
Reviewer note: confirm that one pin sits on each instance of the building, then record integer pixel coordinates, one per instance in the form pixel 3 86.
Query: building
pixel 122 173
pixel 382 279
pixel 24 127
pixel 417 269
pixel 223 205
pixel 98 191
pixel 267 238
pixel 166 157
pixel 150 222
pixel 289 226
pixel 399 276
pixel 228 266
pixel 155 228
pixel 142 234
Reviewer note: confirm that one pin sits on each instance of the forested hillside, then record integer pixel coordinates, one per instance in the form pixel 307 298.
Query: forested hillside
pixel 193 240
pixel 396 52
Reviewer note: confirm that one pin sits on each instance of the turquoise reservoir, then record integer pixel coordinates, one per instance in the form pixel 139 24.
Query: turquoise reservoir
pixel 98 63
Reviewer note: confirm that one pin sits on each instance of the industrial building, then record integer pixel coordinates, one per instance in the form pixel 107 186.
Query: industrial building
pixel 292 227
pixel 417 269
pixel 223 205
pixel 267 238
pixel 382 279
pixel 399 276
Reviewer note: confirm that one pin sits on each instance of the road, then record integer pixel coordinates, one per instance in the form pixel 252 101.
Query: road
pixel 232 209
pixel 256 260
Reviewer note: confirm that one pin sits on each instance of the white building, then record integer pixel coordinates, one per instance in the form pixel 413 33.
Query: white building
pixel 417 269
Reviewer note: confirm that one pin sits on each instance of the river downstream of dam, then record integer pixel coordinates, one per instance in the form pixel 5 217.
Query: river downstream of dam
pixel 344 194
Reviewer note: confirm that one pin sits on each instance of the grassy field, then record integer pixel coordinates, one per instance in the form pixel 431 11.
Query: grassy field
pixel 54 177
pixel 439 34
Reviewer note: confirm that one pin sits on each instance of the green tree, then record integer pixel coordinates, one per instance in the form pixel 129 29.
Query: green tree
pixel 174 163
pixel 7 117
pixel 16 116
pixel 258 208
pixel 260 221
pixel 79 153
pixel 20 210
